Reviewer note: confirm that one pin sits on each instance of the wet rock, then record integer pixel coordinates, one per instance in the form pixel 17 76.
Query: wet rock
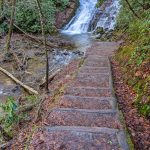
pixel 105 15
pixel 8 57
pixel 16 89
pixel 79 53
pixel 64 16
pixel 64 57
pixel 12 90
pixel 61 42
pixel 100 30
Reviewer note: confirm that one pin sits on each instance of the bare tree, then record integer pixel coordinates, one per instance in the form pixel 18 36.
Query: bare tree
pixel 8 40
pixel 42 19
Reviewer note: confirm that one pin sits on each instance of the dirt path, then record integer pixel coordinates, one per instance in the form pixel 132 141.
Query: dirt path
pixel 87 117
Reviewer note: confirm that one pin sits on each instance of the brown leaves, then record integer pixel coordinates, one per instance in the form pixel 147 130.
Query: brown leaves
pixel 138 74
pixel 138 126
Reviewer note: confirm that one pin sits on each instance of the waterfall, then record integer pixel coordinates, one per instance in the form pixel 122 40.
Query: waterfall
pixel 86 13
pixel 80 22
pixel 108 16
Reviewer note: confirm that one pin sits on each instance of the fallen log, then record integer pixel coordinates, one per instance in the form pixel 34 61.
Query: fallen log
pixel 51 45
pixel 27 88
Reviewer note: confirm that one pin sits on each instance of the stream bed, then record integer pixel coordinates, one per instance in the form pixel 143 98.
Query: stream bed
pixel 58 58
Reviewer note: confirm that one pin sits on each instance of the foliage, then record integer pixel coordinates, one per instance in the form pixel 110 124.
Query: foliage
pixel 9 117
pixel 99 3
pixel 135 53
pixel 27 17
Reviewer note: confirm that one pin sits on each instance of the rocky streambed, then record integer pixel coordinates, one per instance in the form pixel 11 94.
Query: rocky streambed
pixel 34 58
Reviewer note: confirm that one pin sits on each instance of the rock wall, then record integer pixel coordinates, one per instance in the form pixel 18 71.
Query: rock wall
pixel 63 17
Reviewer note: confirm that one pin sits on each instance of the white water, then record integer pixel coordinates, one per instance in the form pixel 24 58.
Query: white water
pixel 108 19
pixel 80 22
pixel 87 10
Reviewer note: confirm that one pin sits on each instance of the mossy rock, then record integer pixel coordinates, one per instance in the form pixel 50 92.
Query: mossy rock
pixel 100 30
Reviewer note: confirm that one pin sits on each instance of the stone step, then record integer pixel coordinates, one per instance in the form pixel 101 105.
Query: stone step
pixel 88 92
pixel 94 70
pixel 78 138
pixel 96 75
pixel 86 80
pixel 99 52
pixel 97 63
pixel 83 117
pixel 68 101
pixel 96 58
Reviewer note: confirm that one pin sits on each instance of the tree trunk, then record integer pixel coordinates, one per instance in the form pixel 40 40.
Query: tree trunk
pixel 132 10
pixel 8 40
pixel 44 42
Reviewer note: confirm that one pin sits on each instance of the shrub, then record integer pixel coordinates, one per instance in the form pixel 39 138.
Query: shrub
pixel 27 16
pixel 135 53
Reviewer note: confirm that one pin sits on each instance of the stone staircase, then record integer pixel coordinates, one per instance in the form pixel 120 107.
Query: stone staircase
pixel 87 117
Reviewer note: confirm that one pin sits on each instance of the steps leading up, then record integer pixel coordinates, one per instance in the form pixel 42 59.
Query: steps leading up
pixel 78 138
pixel 86 117
pixel 83 117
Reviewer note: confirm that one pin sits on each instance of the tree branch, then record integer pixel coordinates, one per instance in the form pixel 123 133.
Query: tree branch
pixel 132 10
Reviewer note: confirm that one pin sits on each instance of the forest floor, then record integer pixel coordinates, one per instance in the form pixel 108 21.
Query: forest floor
pixel 137 125
pixel 81 111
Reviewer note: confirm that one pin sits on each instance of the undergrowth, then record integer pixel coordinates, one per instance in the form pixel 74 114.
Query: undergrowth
pixel 11 116
pixel 134 54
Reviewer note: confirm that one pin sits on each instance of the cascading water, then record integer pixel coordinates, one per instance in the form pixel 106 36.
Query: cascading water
pixel 80 22
pixel 107 17
pixel 87 15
